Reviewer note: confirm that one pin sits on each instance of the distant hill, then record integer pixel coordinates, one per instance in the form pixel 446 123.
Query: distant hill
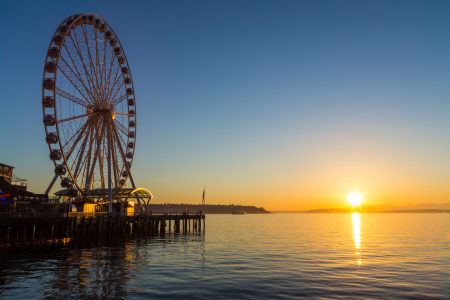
pixel 420 206
pixel 209 209
pixel 417 208
pixel 329 210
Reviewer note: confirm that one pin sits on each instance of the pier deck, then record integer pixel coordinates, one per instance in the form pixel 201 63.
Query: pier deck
pixel 34 228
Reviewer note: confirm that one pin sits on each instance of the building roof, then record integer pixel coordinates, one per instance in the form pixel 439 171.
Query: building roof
pixel 123 193
pixel 6 165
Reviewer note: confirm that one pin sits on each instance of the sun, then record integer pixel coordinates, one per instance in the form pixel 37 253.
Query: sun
pixel 354 199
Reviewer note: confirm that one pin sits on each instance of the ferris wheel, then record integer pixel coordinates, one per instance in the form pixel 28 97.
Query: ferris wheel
pixel 89 107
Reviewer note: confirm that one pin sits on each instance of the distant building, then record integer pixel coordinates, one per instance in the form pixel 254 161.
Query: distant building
pixel 7 173
pixel 13 191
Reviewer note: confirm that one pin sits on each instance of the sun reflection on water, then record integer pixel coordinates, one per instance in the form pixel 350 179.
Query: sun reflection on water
pixel 357 235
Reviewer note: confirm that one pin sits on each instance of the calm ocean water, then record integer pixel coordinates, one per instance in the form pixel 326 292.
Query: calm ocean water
pixel 284 256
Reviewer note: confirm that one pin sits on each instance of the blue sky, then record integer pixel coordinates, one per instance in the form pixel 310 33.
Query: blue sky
pixel 281 104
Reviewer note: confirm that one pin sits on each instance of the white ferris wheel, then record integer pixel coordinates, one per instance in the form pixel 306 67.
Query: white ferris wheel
pixel 89 107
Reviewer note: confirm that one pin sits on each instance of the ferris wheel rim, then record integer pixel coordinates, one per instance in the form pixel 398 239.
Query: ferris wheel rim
pixel 64 154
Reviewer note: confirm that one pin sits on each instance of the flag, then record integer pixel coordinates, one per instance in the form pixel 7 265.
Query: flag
pixel 203 201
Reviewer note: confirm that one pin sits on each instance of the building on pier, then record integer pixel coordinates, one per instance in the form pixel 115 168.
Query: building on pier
pixel 125 199
pixel 84 204
pixel 7 173
pixel 24 200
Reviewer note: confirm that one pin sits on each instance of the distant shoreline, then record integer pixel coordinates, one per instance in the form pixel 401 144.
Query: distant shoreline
pixel 343 211
pixel 208 208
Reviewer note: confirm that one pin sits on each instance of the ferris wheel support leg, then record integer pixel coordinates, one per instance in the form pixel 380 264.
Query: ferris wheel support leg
pixel 109 167
pixel 89 181
pixel 51 184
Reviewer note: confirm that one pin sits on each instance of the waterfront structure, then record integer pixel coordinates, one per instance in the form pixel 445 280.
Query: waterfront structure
pixel 92 150
pixel 91 228
pixel 14 197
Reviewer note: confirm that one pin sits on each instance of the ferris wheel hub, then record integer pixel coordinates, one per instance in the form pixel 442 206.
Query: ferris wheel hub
pixel 112 111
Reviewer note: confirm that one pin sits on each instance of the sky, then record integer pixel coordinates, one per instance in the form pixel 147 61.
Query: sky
pixel 288 105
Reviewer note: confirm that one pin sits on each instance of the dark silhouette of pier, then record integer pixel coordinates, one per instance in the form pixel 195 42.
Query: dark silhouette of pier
pixel 38 228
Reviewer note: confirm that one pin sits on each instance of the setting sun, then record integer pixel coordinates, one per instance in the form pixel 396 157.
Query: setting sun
pixel 354 199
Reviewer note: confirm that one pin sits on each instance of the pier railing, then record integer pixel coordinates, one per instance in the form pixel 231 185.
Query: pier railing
pixel 33 214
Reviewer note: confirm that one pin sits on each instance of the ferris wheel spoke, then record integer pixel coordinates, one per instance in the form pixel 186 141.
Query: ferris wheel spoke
pixel 75 138
pixel 121 142
pixel 92 69
pixel 112 74
pixel 71 97
pixel 80 166
pixel 75 118
pixel 79 134
pixel 121 127
pixel 117 85
pixel 119 100
pixel 77 61
pixel 98 63
pixel 74 78
pixel 95 65
pixel 106 69
pixel 78 158
pixel 87 74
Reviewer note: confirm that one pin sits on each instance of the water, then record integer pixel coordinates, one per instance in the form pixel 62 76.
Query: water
pixel 249 257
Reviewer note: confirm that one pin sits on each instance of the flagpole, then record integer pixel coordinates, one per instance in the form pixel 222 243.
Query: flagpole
pixel 204 202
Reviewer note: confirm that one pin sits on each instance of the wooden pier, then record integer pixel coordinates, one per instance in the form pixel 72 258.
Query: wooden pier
pixel 38 228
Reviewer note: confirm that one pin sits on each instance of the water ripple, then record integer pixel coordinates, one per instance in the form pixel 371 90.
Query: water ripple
pixel 330 256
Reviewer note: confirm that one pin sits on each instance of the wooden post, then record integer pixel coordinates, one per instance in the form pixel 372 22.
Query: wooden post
pixel 20 232
pixel 88 226
pixel 83 230
pixel 91 227
pixel 67 230
pixel 4 233
pixel 24 232
pixel 71 227
pixel 99 227
pixel 116 228
pixel 162 229
pixel 55 231
pixel 41 231
pixel 110 232
pixel 75 235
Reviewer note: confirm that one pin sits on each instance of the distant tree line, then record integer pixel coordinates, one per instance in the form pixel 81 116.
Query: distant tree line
pixel 209 208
